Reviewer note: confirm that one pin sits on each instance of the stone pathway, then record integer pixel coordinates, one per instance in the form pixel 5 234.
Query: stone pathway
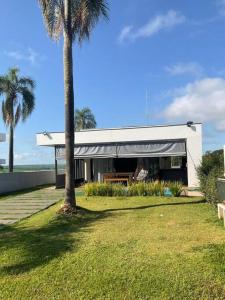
pixel 17 207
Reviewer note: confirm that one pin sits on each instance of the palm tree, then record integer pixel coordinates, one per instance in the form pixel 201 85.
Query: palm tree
pixel 17 105
pixel 74 19
pixel 84 119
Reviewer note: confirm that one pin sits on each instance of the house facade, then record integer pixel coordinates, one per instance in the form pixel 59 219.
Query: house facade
pixel 167 152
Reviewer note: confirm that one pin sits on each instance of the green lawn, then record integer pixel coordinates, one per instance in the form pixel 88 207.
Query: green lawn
pixel 119 248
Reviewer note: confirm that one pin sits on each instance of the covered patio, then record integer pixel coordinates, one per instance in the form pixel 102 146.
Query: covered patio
pixel 120 162
pixel 170 153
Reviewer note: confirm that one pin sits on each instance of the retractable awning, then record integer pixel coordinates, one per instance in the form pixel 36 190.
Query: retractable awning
pixel 137 149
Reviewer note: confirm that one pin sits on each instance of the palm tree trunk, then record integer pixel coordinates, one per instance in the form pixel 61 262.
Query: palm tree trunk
pixel 70 200
pixel 11 142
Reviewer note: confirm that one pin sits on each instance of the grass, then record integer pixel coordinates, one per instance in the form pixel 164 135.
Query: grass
pixel 117 248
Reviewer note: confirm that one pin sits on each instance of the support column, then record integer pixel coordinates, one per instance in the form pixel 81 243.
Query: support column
pixel 56 168
pixel 87 170
pixel 194 157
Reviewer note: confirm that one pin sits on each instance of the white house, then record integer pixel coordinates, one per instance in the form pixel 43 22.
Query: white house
pixel 168 152
pixel 2 139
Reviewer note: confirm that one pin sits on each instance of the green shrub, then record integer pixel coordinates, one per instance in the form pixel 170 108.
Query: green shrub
pixel 158 188
pixel 152 188
pixel 119 190
pixel 210 169
pixel 104 189
pixel 176 188
pixel 98 189
pixel 137 189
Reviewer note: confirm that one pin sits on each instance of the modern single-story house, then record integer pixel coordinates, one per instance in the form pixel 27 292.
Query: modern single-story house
pixel 2 139
pixel 168 152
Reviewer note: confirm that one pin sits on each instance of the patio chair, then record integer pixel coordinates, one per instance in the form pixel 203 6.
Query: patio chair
pixel 142 175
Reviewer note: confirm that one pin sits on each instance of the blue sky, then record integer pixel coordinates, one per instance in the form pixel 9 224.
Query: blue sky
pixel 173 49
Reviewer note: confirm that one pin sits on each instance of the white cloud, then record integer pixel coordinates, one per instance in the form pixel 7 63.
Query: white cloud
pixel 124 33
pixel 158 23
pixel 203 100
pixel 221 7
pixel 36 156
pixel 22 156
pixel 29 55
pixel 190 68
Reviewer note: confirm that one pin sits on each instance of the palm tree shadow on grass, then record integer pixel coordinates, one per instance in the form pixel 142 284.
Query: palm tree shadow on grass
pixel 38 246
pixel 110 210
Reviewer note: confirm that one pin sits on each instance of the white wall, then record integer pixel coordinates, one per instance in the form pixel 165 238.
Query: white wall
pixel 2 137
pixel 194 157
pixel 122 135
pixel 11 182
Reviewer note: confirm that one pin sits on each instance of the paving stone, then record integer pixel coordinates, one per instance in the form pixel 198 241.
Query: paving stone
pixel 18 211
pixel 13 216
pixel 5 222
pixel 16 207
pixel 29 203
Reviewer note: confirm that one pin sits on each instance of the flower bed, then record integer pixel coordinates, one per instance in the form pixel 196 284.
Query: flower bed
pixel 152 188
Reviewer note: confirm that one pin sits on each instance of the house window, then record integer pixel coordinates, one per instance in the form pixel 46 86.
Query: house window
pixel 176 162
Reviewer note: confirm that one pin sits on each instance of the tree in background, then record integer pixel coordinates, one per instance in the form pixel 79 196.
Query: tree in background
pixel 18 104
pixel 74 19
pixel 84 119
pixel 211 168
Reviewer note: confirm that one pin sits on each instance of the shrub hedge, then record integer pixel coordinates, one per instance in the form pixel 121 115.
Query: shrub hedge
pixel 152 188
pixel 208 172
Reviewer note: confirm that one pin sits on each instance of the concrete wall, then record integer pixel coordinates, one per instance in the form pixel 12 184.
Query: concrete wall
pixel 221 189
pixel 11 182
pixel 127 134
pixel 2 137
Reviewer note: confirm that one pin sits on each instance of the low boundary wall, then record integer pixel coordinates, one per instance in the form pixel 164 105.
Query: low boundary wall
pixel 221 189
pixel 12 182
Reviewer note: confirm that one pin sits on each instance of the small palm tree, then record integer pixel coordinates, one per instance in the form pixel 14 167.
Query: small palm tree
pixel 74 19
pixel 84 119
pixel 18 103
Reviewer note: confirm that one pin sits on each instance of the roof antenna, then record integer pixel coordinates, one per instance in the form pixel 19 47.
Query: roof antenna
pixel 147 112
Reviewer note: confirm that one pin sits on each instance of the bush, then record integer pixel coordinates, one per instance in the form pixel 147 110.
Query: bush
pixel 176 188
pixel 137 189
pixel 104 189
pixel 98 189
pixel 210 169
pixel 152 188
pixel 157 188
pixel 119 190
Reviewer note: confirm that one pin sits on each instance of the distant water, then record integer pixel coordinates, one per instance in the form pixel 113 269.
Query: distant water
pixel 24 168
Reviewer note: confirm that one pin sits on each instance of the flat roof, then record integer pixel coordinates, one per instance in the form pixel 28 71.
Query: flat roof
pixel 124 134
pixel 125 127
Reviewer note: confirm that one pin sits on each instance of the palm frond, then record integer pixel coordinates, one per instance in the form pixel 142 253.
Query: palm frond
pixel 85 15
pixel 4 84
pixel 84 119
pixel 53 14
pixel 13 75
pixel 17 115
pixel 28 103
pixel 4 113
pixel 7 111
pixel 26 82
pixel 19 98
